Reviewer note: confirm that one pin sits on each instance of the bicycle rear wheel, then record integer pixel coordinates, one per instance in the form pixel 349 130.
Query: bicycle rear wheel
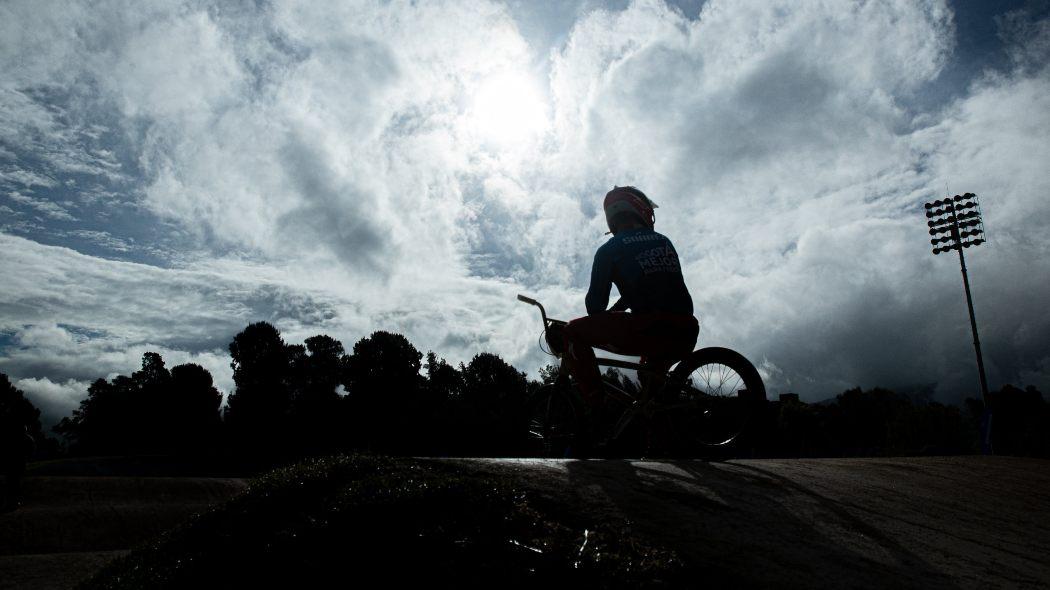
pixel 554 423
pixel 710 398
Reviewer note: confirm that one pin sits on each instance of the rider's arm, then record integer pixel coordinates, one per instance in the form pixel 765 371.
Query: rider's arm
pixel 601 282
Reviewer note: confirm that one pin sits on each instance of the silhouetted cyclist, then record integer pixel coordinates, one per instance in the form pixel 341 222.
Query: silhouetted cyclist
pixel 644 266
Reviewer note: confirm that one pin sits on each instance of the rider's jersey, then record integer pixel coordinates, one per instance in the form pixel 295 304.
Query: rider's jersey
pixel 644 266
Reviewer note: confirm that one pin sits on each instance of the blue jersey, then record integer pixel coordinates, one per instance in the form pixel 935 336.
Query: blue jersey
pixel 645 269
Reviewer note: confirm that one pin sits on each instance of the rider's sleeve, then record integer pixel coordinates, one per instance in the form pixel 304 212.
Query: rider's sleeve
pixel 601 282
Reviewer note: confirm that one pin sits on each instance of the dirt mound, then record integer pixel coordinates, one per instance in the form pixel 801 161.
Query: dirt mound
pixel 931 522
pixel 401 522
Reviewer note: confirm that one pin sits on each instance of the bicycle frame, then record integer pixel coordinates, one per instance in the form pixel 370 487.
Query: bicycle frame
pixel 602 361
pixel 720 425
pixel 635 405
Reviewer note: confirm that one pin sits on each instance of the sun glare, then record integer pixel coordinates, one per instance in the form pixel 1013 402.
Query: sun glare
pixel 508 109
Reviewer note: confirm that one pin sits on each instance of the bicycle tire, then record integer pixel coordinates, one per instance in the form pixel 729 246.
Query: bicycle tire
pixel 553 423
pixel 714 394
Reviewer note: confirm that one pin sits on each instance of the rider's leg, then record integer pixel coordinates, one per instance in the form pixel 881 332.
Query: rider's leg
pixel 652 378
pixel 664 338
pixel 579 359
pixel 680 338
pixel 652 335
pixel 612 331
pixel 656 336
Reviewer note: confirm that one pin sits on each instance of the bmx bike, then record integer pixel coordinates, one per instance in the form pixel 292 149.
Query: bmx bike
pixel 700 406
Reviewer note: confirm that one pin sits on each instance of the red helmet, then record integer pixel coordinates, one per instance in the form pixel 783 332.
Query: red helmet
pixel 627 199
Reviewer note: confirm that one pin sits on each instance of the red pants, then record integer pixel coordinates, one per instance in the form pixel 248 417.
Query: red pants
pixel 658 338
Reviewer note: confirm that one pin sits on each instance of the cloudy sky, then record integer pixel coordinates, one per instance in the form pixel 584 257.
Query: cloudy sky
pixel 171 171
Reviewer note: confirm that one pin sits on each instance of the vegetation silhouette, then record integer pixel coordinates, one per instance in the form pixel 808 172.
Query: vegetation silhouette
pixel 297 400
pixel 880 422
pixel 19 430
pixel 300 400
pixel 397 521
pixel 1020 421
pixel 486 409
pixel 154 411
pixel 257 411
pixel 17 412
pixel 315 373
pixel 386 396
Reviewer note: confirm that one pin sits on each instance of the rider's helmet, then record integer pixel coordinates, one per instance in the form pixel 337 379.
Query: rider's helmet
pixel 627 199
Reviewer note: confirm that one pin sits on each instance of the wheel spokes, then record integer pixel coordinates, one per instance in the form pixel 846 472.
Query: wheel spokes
pixel 551 427
pixel 716 380
pixel 717 414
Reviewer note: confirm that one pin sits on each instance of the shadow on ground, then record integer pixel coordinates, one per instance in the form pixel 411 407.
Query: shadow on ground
pixel 932 522
pixel 744 525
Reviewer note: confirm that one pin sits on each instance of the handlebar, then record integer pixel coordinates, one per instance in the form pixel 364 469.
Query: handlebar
pixel 552 329
pixel 531 301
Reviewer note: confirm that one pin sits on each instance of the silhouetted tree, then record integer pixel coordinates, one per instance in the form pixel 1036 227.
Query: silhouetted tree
pixel 16 411
pixel 385 392
pixel 799 431
pixel 1020 422
pixel 490 406
pixel 19 428
pixel 440 412
pixel 383 361
pixel 153 375
pixel 151 425
pixel 152 411
pixel 858 421
pixel 621 380
pixel 257 411
pixel 930 429
pixel 863 423
pixel 548 374
pixel 488 381
pixel 191 405
pixel 444 381
pixel 326 364
pixel 317 370
pixel 107 420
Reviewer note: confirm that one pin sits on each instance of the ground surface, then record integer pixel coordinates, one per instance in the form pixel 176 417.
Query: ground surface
pixel 960 522
pixel 70 526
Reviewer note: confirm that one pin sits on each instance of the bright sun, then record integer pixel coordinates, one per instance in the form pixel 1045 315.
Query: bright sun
pixel 508 109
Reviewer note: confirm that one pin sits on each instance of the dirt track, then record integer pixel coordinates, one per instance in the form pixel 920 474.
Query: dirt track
pixel 959 522
pixel 69 527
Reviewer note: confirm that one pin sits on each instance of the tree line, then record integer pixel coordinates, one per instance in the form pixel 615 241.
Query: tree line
pixel 881 422
pixel 302 399
pixel 385 396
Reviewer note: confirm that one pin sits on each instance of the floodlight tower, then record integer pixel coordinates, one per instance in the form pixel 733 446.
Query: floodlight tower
pixel 955 224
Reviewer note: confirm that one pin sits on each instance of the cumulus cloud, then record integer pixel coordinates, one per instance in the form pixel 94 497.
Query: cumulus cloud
pixel 337 167
pixel 75 358
pixel 54 400
pixel 71 316
pixel 781 141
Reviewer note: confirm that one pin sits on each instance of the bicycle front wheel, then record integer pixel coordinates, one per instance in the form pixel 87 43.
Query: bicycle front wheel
pixel 553 423
pixel 711 397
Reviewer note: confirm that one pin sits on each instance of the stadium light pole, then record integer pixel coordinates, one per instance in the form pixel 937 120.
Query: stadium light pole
pixel 956 224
